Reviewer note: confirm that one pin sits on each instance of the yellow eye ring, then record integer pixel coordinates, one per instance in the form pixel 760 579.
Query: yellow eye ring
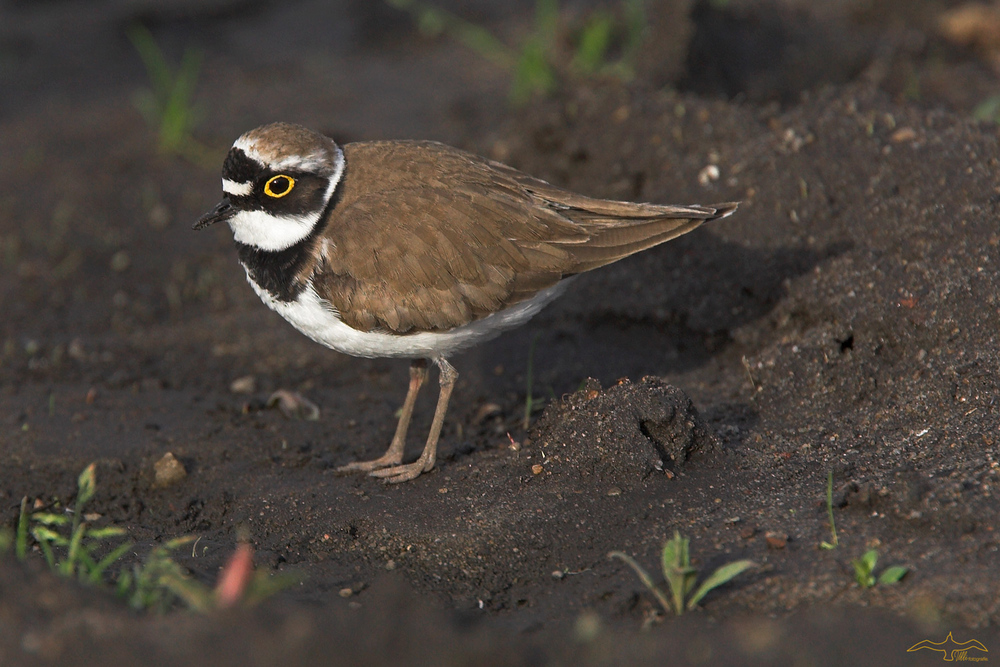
pixel 280 180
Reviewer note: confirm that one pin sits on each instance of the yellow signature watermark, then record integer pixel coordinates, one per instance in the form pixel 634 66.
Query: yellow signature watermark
pixel 954 651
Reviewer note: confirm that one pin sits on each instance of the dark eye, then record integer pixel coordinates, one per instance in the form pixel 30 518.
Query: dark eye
pixel 279 186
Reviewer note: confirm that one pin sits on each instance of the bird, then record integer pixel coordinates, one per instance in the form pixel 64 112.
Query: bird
pixel 414 249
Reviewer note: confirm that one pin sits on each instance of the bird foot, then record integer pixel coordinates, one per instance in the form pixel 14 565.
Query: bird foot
pixel 401 473
pixel 374 465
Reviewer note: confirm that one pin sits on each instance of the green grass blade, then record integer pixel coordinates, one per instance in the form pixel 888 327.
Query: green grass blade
pixel 196 595
pixel 43 534
pixel 68 566
pixel 86 486
pixel 50 557
pixel 97 571
pixel 719 577
pixel 263 586
pixel 892 574
pixel 176 543
pixel 124 583
pixel 591 52
pixel 105 533
pixel 49 519
pixel 159 73
pixel 833 543
pixel 644 578
pixel 863 568
pixel 676 562
pixel 529 382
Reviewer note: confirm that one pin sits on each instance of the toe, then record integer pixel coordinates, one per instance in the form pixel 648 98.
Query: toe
pixel 399 473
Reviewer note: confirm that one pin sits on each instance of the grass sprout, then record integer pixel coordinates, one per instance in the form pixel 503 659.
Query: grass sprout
pixel 681 577
pixel 68 543
pixel 73 548
pixel 834 542
pixel 535 61
pixel 168 106
pixel 529 400
pixel 864 571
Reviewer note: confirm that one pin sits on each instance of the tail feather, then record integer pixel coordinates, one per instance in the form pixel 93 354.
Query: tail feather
pixel 636 228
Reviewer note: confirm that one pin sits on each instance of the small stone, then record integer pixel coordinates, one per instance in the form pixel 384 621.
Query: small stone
pixel 293 405
pixel 168 471
pixel 776 540
pixel 748 532
pixel 614 491
pixel 708 175
pixel 243 385
pixel 345 592
pixel 390 565
pixel 536 469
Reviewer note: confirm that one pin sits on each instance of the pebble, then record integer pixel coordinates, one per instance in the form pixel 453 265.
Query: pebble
pixel 776 540
pixel 293 405
pixel 536 469
pixel 168 471
pixel 243 385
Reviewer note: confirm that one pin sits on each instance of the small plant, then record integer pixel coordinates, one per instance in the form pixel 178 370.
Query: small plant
pixel 864 571
pixel 71 546
pixel 529 399
pixel 681 577
pixel 160 581
pixel 168 106
pixel 534 62
pixel 834 542
pixel 80 541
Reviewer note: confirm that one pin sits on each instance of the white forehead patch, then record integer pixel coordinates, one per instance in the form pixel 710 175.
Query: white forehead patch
pixel 310 162
pixel 236 189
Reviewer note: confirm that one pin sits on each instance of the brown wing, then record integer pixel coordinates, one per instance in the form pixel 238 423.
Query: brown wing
pixel 427 237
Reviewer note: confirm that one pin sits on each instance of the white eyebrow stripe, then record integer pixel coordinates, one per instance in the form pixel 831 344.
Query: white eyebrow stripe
pixel 236 189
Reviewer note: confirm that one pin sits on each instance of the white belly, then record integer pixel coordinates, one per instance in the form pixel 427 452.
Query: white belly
pixel 317 319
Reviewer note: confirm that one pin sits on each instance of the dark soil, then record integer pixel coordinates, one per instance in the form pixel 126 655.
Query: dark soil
pixel 845 319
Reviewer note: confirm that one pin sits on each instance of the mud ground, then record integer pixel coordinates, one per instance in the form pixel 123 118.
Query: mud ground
pixel 844 320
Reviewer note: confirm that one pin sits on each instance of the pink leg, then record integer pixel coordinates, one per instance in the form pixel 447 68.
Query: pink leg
pixel 394 455
pixel 403 473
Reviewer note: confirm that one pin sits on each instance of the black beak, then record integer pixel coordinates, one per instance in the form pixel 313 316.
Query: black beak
pixel 220 213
